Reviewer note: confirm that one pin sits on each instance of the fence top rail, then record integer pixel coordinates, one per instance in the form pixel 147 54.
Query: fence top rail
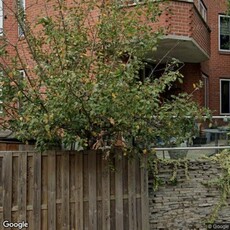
pixel 31 153
pixel 192 148
pixel 59 152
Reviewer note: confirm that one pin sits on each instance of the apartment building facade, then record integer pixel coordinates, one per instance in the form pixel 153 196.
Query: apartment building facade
pixel 197 33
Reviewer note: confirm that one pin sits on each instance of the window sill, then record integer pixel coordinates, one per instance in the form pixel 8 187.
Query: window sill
pixel 222 52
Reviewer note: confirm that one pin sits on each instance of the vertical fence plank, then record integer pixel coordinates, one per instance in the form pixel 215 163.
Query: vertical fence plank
pixel 1 190
pixel 119 191
pixel 144 195
pixel 105 195
pixel 92 191
pixel 132 195
pixel 37 192
pixel 1 177
pixel 65 211
pixel 58 191
pixel 22 175
pixel 86 191
pixel 15 182
pixel 64 200
pixel 138 194
pixel 52 190
pixel 7 185
pixel 44 192
pixel 29 188
pixel 1 217
pixel 79 191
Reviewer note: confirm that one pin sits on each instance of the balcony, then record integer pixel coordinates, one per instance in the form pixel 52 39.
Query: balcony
pixel 187 35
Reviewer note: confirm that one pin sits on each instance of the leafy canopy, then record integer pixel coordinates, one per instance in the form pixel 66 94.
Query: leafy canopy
pixel 83 84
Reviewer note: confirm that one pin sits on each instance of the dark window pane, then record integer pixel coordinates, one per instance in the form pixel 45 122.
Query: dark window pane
pixel 224 25
pixel 225 42
pixel 224 33
pixel 225 97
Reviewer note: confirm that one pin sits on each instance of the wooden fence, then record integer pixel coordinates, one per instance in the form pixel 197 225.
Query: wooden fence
pixel 72 190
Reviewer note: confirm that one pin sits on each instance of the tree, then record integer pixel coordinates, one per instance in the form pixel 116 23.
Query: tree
pixel 82 79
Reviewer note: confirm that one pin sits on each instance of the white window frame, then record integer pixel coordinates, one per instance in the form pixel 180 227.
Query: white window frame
pixel 132 2
pixel 22 73
pixel 226 16
pixel 1 17
pixel 20 31
pixel 202 9
pixel 220 96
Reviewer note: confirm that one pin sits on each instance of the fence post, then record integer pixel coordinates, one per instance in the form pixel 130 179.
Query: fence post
pixel 51 190
pixel 105 194
pixel 144 194
pixel 65 212
pixel 22 175
pixel 37 191
pixel 7 185
pixel 79 191
pixel 119 190
pixel 92 190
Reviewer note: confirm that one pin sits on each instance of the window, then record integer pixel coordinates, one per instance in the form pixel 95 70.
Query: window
pixel 202 9
pixel 21 17
pixel 224 33
pixel 22 74
pixel 225 96
pixel 129 2
pixel 206 90
pixel 1 17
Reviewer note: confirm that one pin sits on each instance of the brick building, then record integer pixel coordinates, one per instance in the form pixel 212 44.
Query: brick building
pixel 197 33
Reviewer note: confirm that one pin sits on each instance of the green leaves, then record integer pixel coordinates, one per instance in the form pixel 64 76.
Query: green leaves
pixel 83 82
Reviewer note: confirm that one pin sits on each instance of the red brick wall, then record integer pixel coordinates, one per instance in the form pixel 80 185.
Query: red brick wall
pixel 192 75
pixel 179 18
pixel 10 26
pixel 219 64
pixel 183 19
pixel 200 31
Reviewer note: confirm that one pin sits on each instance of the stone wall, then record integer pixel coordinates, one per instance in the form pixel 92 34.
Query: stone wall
pixel 187 203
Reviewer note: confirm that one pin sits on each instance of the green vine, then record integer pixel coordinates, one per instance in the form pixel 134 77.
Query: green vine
pixel 222 182
pixel 153 167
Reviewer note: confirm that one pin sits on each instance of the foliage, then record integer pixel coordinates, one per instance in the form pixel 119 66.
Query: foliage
pixel 228 6
pixel 153 167
pixel 222 182
pixel 82 81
